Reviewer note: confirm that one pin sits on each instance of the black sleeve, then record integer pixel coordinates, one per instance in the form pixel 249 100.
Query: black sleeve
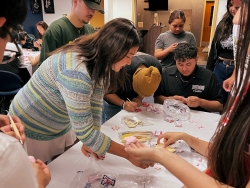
pixel 145 59
pixel 162 87
pixel 212 55
pixel 214 90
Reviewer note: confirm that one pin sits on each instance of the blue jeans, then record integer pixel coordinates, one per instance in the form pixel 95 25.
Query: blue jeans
pixel 223 72
pixel 109 110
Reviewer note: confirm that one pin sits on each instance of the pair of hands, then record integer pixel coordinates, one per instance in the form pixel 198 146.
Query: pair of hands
pixel 38 43
pixel 42 171
pixel 133 105
pixel 191 101
pixel 150 155
pixel 172 47
pixel 87 152
pixel 43 175
pixel 7 129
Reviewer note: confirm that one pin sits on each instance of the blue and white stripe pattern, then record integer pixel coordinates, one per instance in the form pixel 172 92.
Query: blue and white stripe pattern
pixel 61 95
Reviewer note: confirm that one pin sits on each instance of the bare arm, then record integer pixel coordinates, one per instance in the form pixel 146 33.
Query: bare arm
pixel 118 149
pixel 179 168
pixel 176 165
pixel 212 106
pixel 113 98
pixel 162 53
pixel 198 145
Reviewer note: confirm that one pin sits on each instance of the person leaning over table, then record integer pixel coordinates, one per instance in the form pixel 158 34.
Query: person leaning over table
pixel 166 42
pixel 144 76
pixel 16 169
pixel 228 151
pixel 64 97
pixel 26 41
pixel 68 28
pixel 41 27
pixel 187 82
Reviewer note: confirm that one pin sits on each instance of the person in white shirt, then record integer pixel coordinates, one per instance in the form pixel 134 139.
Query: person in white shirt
pixel 16 169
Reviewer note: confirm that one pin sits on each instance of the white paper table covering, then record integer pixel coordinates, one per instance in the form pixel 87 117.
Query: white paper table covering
pixel 64 168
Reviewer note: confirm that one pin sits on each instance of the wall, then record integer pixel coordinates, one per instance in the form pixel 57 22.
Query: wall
pixel 29 24
pixel 118 8
pixel 61 7
pixel 98 19
pixel 222 10
pixel 147 17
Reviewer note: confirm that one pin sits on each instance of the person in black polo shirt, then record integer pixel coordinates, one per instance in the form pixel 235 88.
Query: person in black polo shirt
pixel 186 81
pixel 144 76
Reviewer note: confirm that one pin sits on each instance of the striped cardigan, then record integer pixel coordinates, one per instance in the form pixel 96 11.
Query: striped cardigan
pixel 61 96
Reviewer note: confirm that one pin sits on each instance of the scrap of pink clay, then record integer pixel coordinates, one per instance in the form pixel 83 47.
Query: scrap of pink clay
pixel 130 139
pixel 144 104
pixel 148 110
pixel 157 167
pixel 199 127
pixel 197 164
pixel 32 159
pixel 192 121
pixel 115 128
pixel 138 110
pixel 200 159
pixel 169 120
pixel 158 133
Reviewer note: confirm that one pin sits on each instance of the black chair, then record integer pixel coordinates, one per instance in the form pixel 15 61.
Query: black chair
pixel 10 84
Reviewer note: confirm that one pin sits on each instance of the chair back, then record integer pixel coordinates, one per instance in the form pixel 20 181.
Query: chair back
pixel 10 83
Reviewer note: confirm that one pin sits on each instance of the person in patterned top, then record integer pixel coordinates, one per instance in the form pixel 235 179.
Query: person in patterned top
pixel 228 151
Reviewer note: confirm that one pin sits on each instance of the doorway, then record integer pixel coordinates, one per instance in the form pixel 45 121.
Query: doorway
pixel 98 20
pixel 207 22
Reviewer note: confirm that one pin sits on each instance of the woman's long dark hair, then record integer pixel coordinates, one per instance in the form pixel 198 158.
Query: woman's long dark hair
pixel 225 26
pixel 44 25
pixel 104 48
pixel 15 13
pixel 177 14
pixel 227 156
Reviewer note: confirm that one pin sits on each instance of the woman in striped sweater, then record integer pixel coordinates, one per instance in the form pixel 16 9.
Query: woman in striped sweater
pixel 64 97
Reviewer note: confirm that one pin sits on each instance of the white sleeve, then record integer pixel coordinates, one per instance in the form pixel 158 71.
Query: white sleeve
pixel 16 169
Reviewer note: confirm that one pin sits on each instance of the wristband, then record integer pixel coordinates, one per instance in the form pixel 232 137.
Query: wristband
pixel 123 104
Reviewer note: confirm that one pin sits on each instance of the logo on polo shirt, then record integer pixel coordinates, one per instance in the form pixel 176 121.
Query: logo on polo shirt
pixel 198 88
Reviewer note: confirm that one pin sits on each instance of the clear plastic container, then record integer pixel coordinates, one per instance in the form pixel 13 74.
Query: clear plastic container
pixel 176 110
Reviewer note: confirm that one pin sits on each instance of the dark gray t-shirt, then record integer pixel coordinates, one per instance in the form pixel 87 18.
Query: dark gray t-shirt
pixel 166 39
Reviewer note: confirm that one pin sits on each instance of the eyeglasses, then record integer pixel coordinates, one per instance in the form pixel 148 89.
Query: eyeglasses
pixel 19 51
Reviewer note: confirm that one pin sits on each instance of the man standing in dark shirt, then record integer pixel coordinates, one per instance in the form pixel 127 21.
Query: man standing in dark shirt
pixel 66 29
pixel 186 81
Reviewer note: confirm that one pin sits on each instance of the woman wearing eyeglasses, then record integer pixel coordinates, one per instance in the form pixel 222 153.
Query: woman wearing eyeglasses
pixel 166 42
